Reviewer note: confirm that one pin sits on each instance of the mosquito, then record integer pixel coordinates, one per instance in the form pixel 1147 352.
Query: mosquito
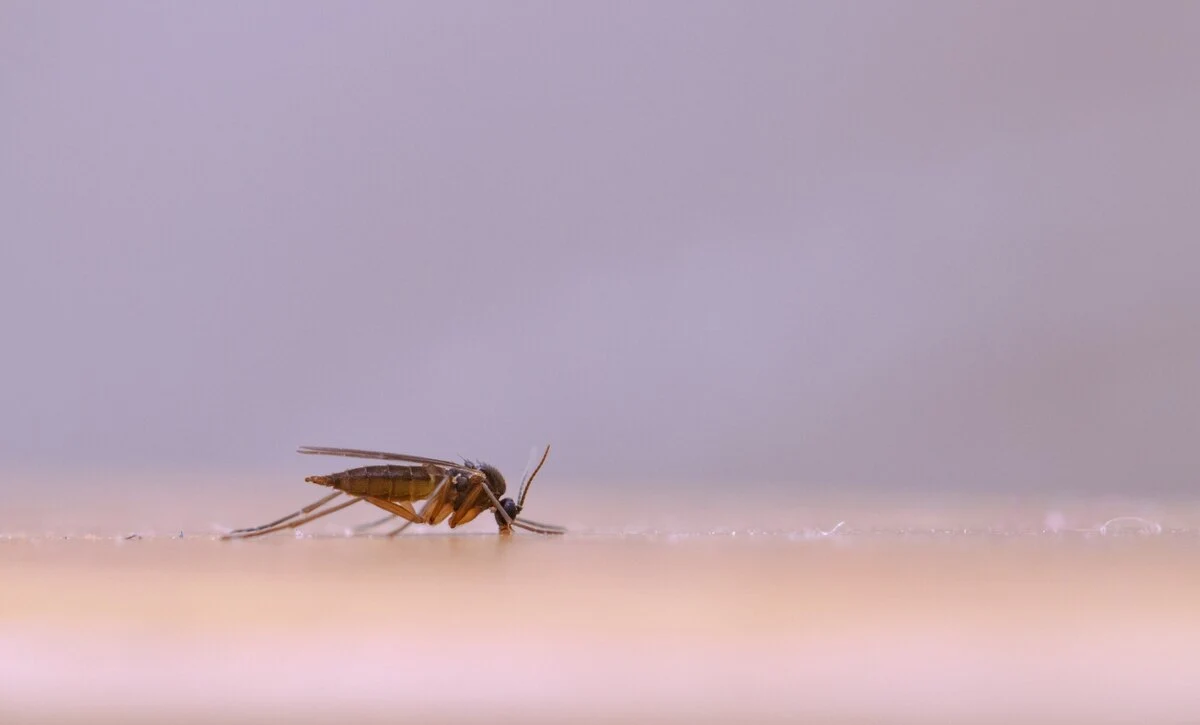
pixel 458 491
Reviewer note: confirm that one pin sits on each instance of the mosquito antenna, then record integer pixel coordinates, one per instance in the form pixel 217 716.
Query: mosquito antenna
pixel 528 463
pixel 525 488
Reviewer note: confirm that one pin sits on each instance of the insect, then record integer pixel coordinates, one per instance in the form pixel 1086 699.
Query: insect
pixel 458 491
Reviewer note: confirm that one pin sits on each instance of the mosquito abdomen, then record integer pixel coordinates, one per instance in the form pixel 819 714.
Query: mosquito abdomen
pixel 395 483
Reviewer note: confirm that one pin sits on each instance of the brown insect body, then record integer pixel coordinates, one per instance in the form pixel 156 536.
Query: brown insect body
pixel 456 491
pixel 394 483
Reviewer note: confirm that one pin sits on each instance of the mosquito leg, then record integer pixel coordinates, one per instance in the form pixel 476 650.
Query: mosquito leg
pixel 297 522
pixel 396 531
pixel 537 528
pixel 495 502
pixel 467 510
pixel 440 509
pixel 402 509
pixel 430 507
pixel 307 509
pixel 363 528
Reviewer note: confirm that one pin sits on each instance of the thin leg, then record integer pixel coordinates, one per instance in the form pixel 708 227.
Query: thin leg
pixel 297 522
pixel 535 527
pixel 402 509
pixel 422 518
pixel 438 515
pixel 467 510
pixel 307 509
pixel 395 532
pixel 434 502
pixel 496 503
pixel 467 515
pixel 363 528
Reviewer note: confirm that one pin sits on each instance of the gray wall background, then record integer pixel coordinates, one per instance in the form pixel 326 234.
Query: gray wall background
pixel 925 246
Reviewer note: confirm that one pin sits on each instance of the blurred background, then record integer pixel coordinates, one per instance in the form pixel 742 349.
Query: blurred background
pixel 927 247
pixel 755 269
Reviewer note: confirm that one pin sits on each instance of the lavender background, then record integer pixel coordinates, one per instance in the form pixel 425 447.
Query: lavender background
pixel 907 246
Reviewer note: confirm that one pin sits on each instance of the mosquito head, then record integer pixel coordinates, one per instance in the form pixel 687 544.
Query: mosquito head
pixel 511 508
pixel 506 515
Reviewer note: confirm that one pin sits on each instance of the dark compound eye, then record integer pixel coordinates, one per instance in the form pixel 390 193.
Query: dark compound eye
pixel 510 508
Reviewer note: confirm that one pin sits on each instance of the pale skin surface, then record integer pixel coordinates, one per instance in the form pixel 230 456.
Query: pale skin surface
pixel 686 623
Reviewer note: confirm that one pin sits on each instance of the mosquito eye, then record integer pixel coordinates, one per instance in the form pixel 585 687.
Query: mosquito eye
pixel 510 507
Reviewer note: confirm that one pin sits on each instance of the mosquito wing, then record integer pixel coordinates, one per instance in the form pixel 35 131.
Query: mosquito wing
pixel 380 455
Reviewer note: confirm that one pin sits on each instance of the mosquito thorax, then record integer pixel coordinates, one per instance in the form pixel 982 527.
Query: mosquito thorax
pixel 495 479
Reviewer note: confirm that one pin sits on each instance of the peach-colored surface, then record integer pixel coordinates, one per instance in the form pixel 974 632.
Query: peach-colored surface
pixel 663 625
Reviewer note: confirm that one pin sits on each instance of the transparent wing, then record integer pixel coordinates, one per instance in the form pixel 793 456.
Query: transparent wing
pixel 526 482
pixel 529 461
pixel 382 456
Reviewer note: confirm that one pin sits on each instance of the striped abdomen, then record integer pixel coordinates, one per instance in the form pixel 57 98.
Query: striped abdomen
pixel 395 483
